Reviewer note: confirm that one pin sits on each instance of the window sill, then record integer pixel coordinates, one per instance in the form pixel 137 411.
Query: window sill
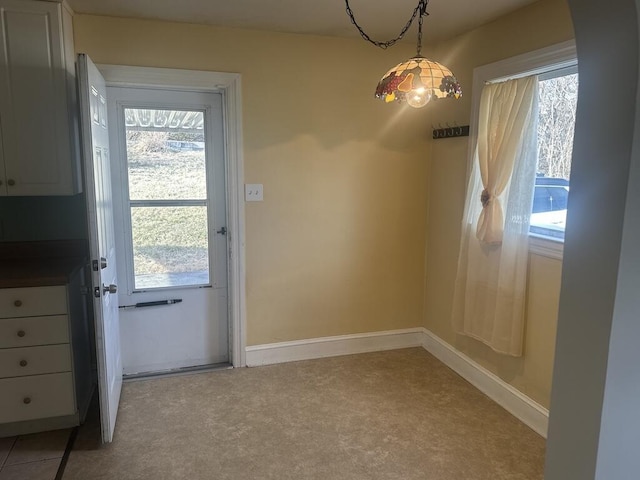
pixel 546 246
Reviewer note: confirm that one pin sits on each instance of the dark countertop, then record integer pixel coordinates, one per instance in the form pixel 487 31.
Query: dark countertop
pixel 39 264
pixel 38 273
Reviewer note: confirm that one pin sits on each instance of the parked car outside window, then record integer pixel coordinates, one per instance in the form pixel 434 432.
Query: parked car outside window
pixel 549 211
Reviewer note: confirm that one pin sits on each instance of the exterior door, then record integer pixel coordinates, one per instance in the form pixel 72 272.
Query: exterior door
pixel 170 213
pixel 95 136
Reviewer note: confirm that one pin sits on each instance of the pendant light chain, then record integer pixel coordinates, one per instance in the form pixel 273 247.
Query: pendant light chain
pixel 420 9
pixel 423 11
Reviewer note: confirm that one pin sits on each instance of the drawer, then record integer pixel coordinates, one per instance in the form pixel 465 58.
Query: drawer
pixel 17 362
pixel 40 396
pixel 34 301
pixel 31 331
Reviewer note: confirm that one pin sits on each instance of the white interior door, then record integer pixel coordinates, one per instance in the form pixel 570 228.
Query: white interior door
pixel 95 135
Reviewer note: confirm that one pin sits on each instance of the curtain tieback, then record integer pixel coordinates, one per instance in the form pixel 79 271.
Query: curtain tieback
pixel 485 198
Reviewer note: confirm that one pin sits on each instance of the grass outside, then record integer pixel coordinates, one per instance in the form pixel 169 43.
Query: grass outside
pixel 168 239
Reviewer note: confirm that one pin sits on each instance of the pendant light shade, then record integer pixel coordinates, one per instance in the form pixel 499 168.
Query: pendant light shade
pixel 417 81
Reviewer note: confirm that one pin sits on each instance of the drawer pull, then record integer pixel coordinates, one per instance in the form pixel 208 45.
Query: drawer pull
pixel 26 400
pixel 23 363
pixel 21 333
pixel 18 303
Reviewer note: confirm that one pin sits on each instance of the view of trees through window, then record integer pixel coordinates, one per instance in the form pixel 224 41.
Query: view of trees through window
pixel 556 121
pixel 558 97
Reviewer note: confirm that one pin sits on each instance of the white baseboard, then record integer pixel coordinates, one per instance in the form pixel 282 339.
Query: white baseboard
pixel 333 346
pixel 515 402
pixel 522 407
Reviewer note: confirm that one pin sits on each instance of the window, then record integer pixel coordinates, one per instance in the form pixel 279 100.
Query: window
pixel 557 96
pixel 169 183
pixel 167 197
pixel 551 185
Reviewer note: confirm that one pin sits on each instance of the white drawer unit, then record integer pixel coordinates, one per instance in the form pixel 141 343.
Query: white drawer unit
pixel 45 364
pixel 31 331
pixel 34 301
pixel 20 362
pixel 39 396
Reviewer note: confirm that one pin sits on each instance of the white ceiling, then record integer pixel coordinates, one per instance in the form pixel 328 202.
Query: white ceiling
pixel 381 19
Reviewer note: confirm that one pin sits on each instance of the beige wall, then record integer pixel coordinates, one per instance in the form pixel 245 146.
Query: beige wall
pixel 337 246
pixel 354 190
pixel 541 24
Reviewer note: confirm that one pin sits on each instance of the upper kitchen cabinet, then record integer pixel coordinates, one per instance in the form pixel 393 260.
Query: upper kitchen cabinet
pixel 38 100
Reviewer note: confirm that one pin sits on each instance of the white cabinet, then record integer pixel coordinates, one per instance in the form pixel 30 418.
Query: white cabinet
pixel 38 100
pixel 45 365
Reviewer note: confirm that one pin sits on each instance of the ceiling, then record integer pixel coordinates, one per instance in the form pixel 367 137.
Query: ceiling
pixel 381 19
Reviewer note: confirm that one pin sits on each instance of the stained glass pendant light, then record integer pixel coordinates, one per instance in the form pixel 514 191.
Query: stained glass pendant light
pixel 418 80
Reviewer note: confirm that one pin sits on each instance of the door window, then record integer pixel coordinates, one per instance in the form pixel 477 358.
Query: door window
pixel 166 153
pixel 169 190
pixel 168 160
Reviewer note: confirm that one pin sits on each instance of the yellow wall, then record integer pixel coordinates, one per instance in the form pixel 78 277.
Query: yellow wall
pixel 337 246
pixel 354 190
pixel 541 24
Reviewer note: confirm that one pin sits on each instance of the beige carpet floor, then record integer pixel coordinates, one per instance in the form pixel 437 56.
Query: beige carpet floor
pixel 390 415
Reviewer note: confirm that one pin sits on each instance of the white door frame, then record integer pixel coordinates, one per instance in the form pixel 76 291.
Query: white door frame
pixel 228 84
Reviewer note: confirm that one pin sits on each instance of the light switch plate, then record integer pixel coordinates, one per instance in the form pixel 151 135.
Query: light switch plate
pixel 253 192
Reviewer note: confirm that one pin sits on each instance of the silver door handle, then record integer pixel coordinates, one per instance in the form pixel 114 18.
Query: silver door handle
pixel 105 289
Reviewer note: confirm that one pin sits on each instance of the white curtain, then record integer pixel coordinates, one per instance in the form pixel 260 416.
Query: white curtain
pixel 490 289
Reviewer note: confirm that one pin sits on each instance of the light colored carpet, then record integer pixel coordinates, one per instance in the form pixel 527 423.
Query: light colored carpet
pixel 390 415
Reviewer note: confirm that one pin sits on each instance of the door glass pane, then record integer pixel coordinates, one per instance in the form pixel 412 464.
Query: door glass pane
pixel 165 154
pixel 170 246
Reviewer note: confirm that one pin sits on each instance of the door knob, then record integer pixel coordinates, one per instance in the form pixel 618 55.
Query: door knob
pixel 109 288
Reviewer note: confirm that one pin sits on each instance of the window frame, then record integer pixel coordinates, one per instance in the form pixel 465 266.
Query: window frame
pixel 229 86
pixel 540 238
pixel 182 102
pixel 555 58
pixel 130 204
